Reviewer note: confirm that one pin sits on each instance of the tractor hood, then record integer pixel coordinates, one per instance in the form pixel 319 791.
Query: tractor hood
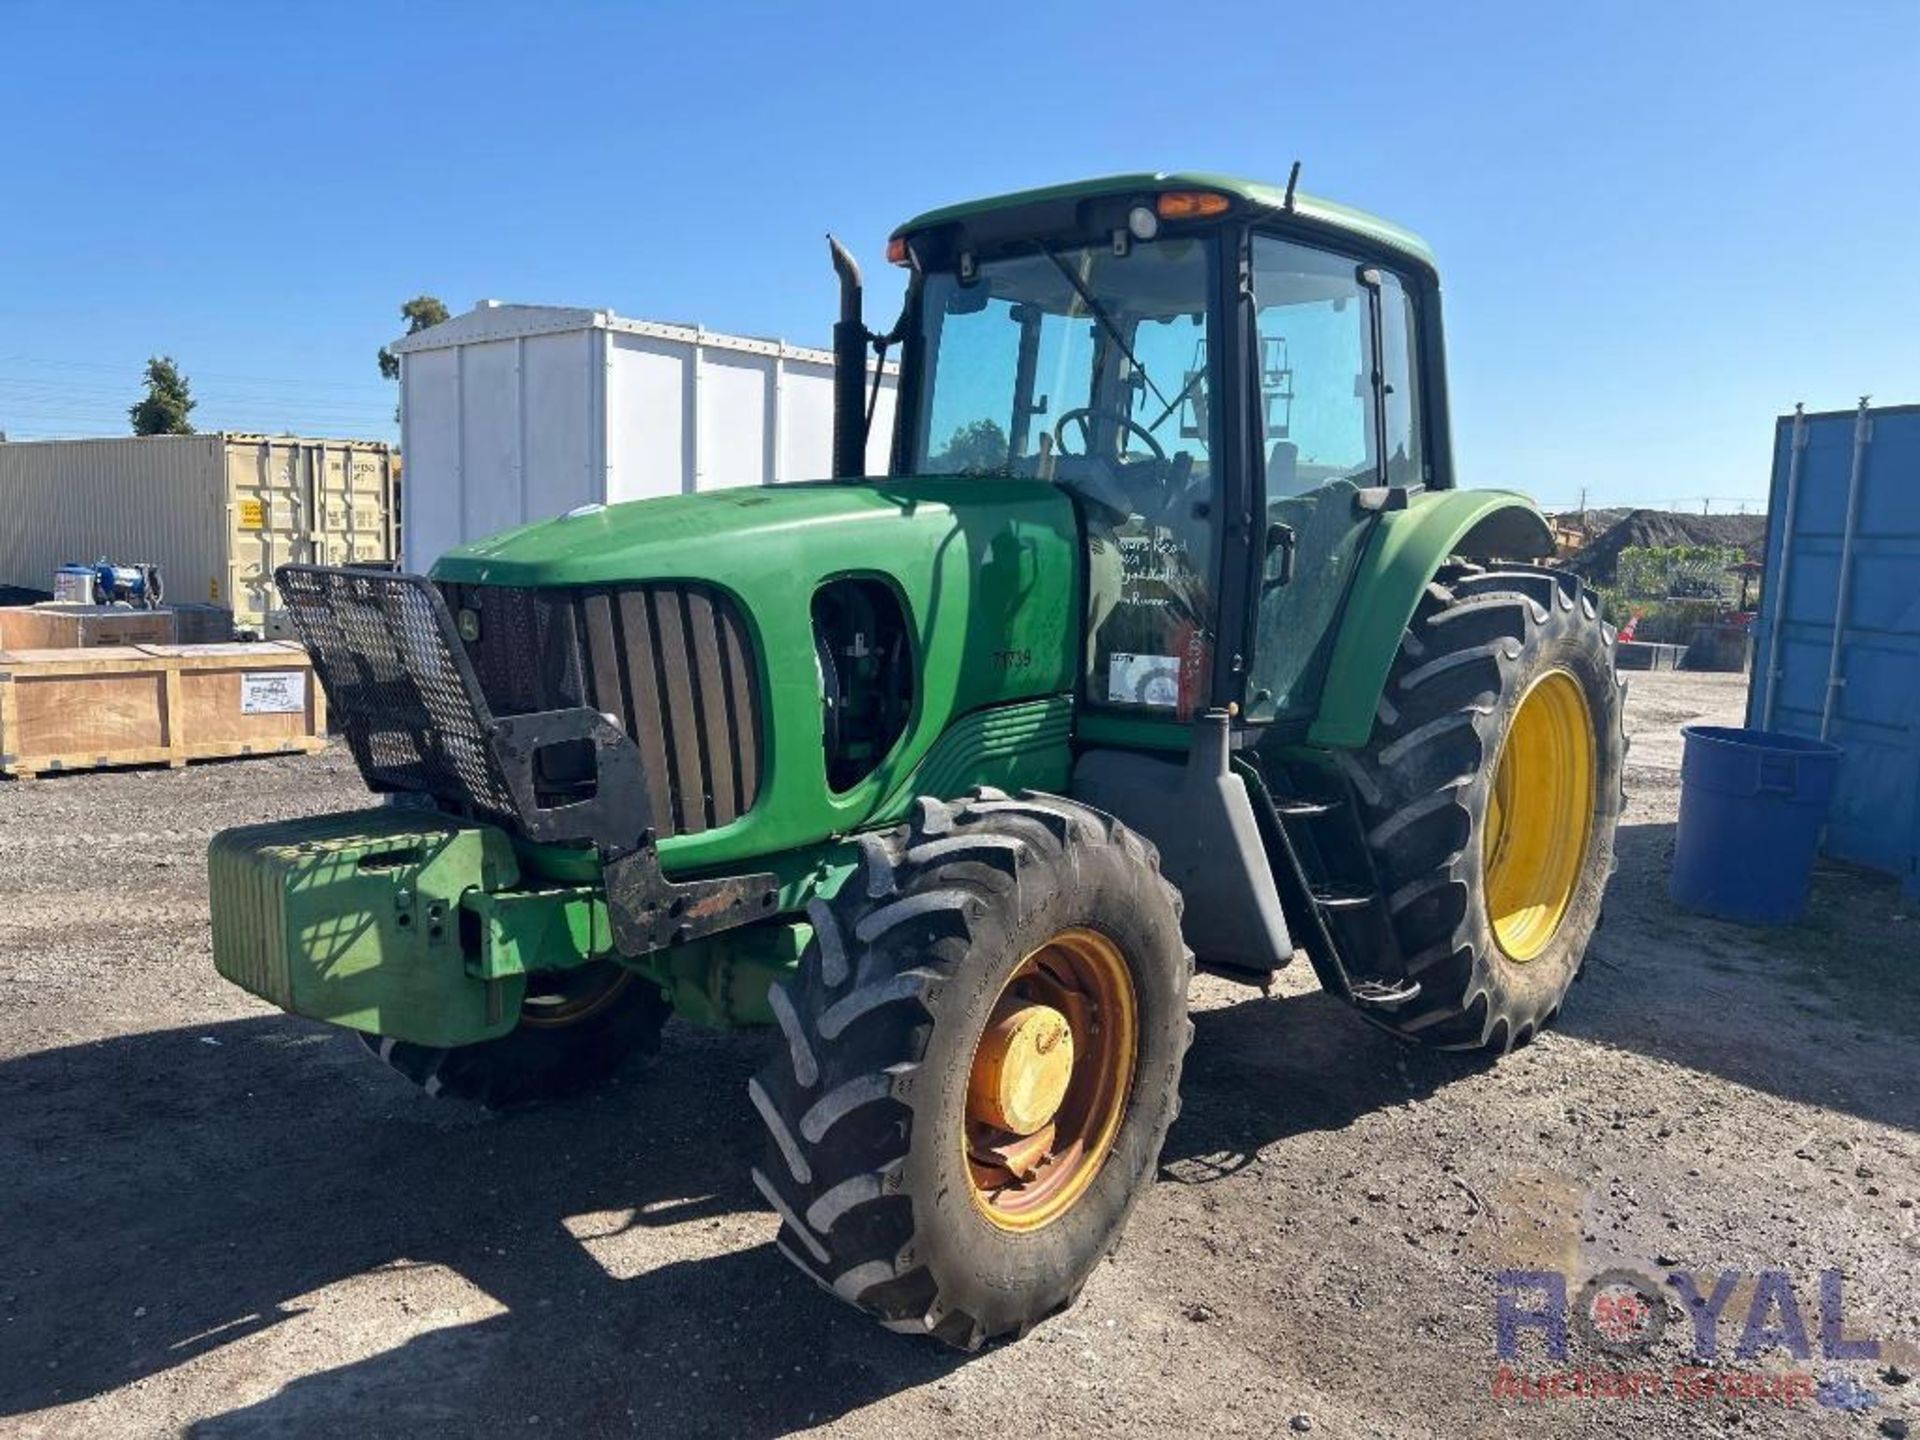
pixel 986 573
pixel 736 537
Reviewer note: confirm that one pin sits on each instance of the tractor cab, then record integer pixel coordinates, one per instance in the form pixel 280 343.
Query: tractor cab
pixel 1087 366
pixel 1233 383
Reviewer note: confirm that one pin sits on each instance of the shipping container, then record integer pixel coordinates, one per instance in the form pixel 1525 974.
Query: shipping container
pixel 215 512
pixel 1837 640
pixel 511 413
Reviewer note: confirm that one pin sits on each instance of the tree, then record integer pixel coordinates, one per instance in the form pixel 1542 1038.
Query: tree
pixel 421 313
pixel 164 409
pixel 977 448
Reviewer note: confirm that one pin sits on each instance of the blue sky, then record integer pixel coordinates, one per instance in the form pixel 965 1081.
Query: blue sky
pixel 1659 225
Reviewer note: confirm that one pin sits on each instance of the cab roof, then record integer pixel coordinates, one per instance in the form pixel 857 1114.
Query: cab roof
pixel 1254 195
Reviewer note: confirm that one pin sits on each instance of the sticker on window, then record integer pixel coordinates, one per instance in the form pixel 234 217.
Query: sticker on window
pixel 273 692
pixel 1144 680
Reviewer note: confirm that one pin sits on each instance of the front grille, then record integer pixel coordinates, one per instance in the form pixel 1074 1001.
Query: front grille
pixel 671 663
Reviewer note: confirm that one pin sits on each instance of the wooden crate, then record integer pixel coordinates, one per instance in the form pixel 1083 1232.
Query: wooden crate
pixel 155 705
pixel 61 627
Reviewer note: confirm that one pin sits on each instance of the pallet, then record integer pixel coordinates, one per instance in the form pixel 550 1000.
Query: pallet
pixel 63 710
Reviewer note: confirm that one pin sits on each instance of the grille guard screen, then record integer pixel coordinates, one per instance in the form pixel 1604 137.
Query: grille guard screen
pixel 399 684
pixel 403 691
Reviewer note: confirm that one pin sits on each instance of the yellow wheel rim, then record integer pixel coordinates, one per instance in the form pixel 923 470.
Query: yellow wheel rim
pixel 1539 815
pixel 573 996
pixel 1049 1081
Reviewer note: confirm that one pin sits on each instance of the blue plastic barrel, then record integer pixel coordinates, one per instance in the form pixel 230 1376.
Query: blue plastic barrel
pixel 1751 806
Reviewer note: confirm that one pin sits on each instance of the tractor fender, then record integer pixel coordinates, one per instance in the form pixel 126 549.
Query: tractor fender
pixel 1407 547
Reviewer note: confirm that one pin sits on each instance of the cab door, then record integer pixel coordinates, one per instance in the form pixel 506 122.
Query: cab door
pixel 1339 419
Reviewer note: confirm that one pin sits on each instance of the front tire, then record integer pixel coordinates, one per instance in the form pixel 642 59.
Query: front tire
pixel 1490 792
pixel 577 1027
pixel 982 1056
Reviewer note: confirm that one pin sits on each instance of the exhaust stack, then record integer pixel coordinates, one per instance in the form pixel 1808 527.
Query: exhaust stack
pixel 850 338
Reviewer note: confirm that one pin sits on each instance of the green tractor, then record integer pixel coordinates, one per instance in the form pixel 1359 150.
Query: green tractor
pixel 1168 639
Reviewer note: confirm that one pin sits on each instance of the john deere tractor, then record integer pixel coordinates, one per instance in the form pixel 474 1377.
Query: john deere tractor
pixel 1167 640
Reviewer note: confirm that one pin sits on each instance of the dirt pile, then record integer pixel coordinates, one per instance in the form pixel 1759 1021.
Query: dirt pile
pixel 1599 561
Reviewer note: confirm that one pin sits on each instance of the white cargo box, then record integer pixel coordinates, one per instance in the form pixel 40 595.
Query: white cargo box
pixel 511 413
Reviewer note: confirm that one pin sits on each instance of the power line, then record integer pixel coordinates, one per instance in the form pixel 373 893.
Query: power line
pixel 115 415
pixel 36 406
pixel 363 386
pixel 35 400
pixel 94 420
pixel 1720 504
pixel 40 389
pixel 119 401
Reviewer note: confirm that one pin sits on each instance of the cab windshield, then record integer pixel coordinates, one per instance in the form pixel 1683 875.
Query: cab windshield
pixel 1090 369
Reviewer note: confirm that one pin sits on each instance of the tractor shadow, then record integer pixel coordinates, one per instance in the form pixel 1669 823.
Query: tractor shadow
pixel 1263 1070
pixel 169 1198
pixel 172 1198
pixel 1823 1012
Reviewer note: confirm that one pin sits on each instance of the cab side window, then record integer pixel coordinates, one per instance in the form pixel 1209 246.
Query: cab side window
pixel 1316 362
pixel 1406 458
pixel 1317 355
pixel 1326 321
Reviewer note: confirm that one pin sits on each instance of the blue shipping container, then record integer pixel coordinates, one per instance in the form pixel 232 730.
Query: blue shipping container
pixel 1843 558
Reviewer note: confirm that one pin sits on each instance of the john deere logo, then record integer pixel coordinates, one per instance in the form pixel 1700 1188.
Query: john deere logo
pixel 469 625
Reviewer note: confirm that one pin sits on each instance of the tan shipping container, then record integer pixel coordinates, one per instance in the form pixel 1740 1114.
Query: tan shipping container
pixel 217 513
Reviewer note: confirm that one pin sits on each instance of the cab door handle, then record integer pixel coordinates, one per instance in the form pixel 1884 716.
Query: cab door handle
pixel 1287 541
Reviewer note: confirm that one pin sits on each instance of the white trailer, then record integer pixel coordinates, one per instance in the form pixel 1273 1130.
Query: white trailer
pixel 512 413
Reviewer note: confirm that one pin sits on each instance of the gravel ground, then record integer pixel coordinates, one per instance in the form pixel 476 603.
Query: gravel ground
pixel 222 1221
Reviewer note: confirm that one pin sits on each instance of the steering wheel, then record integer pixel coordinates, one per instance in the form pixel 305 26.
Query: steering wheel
pixel 1086 414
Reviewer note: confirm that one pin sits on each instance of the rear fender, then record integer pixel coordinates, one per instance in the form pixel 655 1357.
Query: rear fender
pixel 1407 549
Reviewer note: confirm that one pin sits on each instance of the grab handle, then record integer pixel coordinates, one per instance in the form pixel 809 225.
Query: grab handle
pixel 1779 774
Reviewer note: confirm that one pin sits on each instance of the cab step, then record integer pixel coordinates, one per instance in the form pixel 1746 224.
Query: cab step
pixel 1326 875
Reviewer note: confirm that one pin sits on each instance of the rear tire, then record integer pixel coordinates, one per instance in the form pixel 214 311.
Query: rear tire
pixel 577 1027
pixel 1483 643
pixel 872 1102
